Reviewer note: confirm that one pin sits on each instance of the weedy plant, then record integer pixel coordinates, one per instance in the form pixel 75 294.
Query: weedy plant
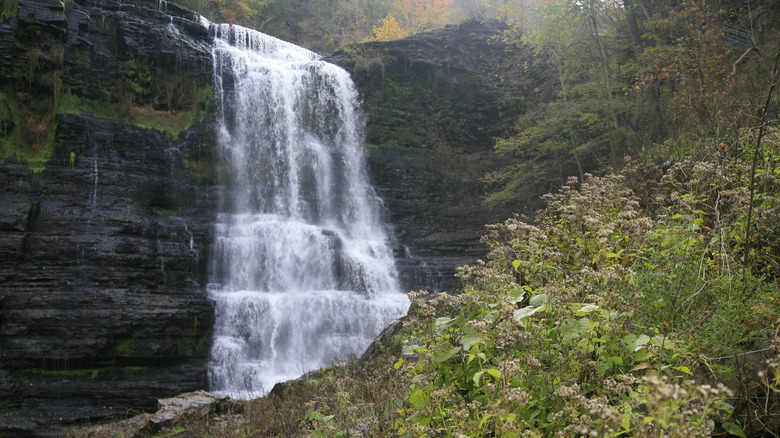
pixel 594 320
pixel 624 309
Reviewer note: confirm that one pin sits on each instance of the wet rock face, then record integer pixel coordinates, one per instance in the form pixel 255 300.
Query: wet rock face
pixel 102 263
pixel 435 103
pixel 103 253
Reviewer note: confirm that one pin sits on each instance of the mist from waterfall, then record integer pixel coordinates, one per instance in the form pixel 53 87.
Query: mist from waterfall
pixel 302 272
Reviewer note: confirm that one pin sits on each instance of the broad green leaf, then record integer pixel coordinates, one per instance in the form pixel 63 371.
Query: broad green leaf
pixel 443 322
pixel 446 355
pixel 524 312
pixel 410 349
pixel 659 340
pixel 418 397
pixel 398 363
pixel 469 339
pixel 516 295
pixel 424 420
pixel 477 376
pixel 538 300
pixel 516 264
pixel 483 420
pixel 686 370
pixel 723 406
pixel 733 429
pixel 587 308
pixel 571 329
pixel 605 366
pixel 317 433
pixel 627 418
pixel 634 342
pixel 494 372
pixel 616 360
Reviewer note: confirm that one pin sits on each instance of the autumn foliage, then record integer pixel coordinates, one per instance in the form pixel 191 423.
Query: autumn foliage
pixel 413 16
pixel 389 30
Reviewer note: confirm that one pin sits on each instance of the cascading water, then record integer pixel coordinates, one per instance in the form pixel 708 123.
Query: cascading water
pixel 303 275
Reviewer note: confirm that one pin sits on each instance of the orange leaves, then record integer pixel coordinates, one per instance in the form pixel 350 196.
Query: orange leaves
pixel 697 65
pixel 659 74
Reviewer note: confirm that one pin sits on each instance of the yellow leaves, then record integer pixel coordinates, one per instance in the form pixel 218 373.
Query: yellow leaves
pixel 417 15
pixel 389 30
pixel 412 16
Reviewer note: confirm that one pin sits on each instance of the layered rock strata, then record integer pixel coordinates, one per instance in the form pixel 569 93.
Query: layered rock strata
pixel 103 249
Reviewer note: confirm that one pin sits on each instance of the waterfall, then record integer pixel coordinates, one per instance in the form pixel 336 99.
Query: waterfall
pixel 302 273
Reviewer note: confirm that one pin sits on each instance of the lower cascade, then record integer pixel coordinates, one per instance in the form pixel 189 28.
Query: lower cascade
pixel 302 273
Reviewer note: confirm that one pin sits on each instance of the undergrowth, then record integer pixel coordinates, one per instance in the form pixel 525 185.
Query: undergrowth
pixel 628 307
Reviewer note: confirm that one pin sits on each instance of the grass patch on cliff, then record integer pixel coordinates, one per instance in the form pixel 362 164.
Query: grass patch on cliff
pixel 146 116
pixel 9 9
pixel 28 99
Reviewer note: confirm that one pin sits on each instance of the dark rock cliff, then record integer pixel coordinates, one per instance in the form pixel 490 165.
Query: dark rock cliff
pixel 103 250
pixel 435 103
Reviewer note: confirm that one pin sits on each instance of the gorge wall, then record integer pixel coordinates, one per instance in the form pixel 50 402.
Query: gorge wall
pixel 104 223
pixel 108 191
pixel 435 103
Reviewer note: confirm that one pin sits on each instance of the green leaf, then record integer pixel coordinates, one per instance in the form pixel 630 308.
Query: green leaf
pixel 723 406
pixel 443 322
pixel 733 429
pixel 616 360
pixel 605 366
pixel 516 295
pixel 494 372
pixel 571 329
pixel 516 264
pixel 317 433
pixel 477 376
pixel 538 300
pixel 484 419
pixel 686 370
pixel 469 340
pixel 587 308
pixel 634 342
pixel 524 312
pixel 446 355
pixel 418 398
pixel 409 349
pixel 398 363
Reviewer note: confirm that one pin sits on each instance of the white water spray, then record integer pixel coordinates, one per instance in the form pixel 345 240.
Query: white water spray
pixel 303 275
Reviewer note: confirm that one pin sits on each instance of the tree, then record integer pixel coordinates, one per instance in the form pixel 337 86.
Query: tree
pixel 413 16
pixel 389 30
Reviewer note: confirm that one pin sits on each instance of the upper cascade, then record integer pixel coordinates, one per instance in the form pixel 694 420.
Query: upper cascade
pixel 302 271
pixel 241 38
